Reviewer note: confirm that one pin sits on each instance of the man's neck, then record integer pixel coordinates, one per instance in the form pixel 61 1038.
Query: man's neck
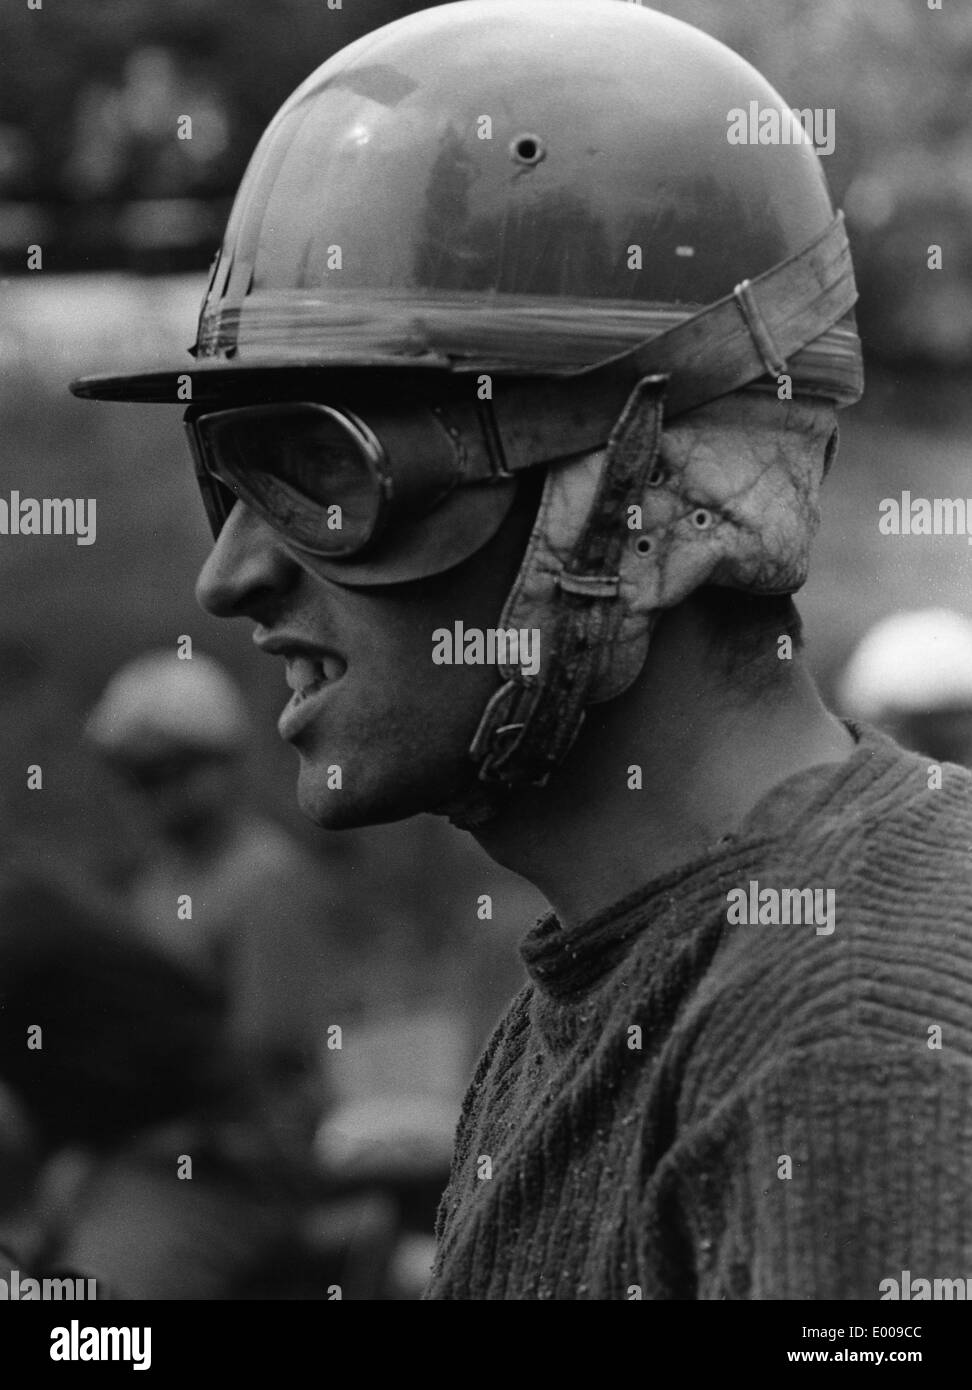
pixel 656 780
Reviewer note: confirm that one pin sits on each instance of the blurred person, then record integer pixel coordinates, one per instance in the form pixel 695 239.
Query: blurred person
pixel 222 889
pixel 571 396
pixel 259 929
pixel 38 717
pixel 400 1146
pixel 911 675
pixel 134 1150
pixel 103 1043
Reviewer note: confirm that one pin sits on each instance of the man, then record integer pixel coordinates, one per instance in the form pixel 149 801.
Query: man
pixel 512 357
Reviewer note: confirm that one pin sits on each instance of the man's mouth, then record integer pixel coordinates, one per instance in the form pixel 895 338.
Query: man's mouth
pixel 305 675
pixel 310 678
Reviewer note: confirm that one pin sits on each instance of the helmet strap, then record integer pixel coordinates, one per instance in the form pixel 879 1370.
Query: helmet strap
pixel 531 722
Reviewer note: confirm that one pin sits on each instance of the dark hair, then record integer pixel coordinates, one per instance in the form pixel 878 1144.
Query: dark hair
pixel 127 1037
pixel 745 631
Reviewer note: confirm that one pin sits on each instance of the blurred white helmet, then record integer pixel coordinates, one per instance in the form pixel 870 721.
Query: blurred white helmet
pixel 388 1135
pixel 910 663
pixel 158 704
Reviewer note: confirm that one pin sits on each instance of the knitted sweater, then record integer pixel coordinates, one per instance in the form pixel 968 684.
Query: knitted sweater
pixel 686 1105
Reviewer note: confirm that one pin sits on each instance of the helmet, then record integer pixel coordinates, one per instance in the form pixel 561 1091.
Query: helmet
pixel 524 186
pixel 158 705
pixel 537 203
pixel 910 664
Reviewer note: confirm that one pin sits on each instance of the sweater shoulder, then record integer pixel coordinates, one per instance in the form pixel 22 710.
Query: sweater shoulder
pixel 916 816
pixel 872 951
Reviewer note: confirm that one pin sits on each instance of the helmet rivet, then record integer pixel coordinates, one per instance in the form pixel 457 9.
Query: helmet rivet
pixel 643 545
pixel 702 519
pixel 528 149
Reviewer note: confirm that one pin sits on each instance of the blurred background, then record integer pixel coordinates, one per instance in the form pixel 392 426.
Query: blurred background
pixel 129 219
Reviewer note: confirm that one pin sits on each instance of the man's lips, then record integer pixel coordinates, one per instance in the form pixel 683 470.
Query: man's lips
pixel 310 671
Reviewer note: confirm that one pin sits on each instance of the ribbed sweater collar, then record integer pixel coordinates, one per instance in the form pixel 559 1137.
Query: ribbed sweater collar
pixel 566 965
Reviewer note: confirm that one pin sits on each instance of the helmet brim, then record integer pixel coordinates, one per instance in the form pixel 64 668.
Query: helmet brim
pixel 220 380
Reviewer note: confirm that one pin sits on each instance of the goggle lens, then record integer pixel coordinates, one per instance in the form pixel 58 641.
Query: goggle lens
pixel 314 473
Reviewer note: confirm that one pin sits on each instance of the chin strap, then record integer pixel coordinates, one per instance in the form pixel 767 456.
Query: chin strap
pixel 531 722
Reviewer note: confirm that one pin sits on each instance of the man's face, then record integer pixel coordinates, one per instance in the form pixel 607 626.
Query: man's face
pixel 366 698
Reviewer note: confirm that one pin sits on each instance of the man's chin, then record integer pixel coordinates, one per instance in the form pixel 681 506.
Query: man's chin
pixel 329 806
pixel 334 799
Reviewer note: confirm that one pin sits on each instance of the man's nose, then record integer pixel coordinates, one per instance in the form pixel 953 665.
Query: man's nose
pixel 247 568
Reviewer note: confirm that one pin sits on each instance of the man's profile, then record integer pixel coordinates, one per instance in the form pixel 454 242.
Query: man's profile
pixel 506 333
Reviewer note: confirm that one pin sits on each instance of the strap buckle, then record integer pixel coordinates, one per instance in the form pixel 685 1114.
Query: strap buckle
pixel 503 732
pixel 773 359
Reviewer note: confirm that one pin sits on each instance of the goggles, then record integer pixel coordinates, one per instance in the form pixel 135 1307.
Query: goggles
pixel 330 483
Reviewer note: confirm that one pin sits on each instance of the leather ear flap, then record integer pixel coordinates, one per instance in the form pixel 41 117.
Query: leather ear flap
pixel 737 504
pixel 567 497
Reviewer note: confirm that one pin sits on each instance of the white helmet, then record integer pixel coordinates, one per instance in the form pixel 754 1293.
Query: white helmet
pixel 910 663
pixel 160 704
